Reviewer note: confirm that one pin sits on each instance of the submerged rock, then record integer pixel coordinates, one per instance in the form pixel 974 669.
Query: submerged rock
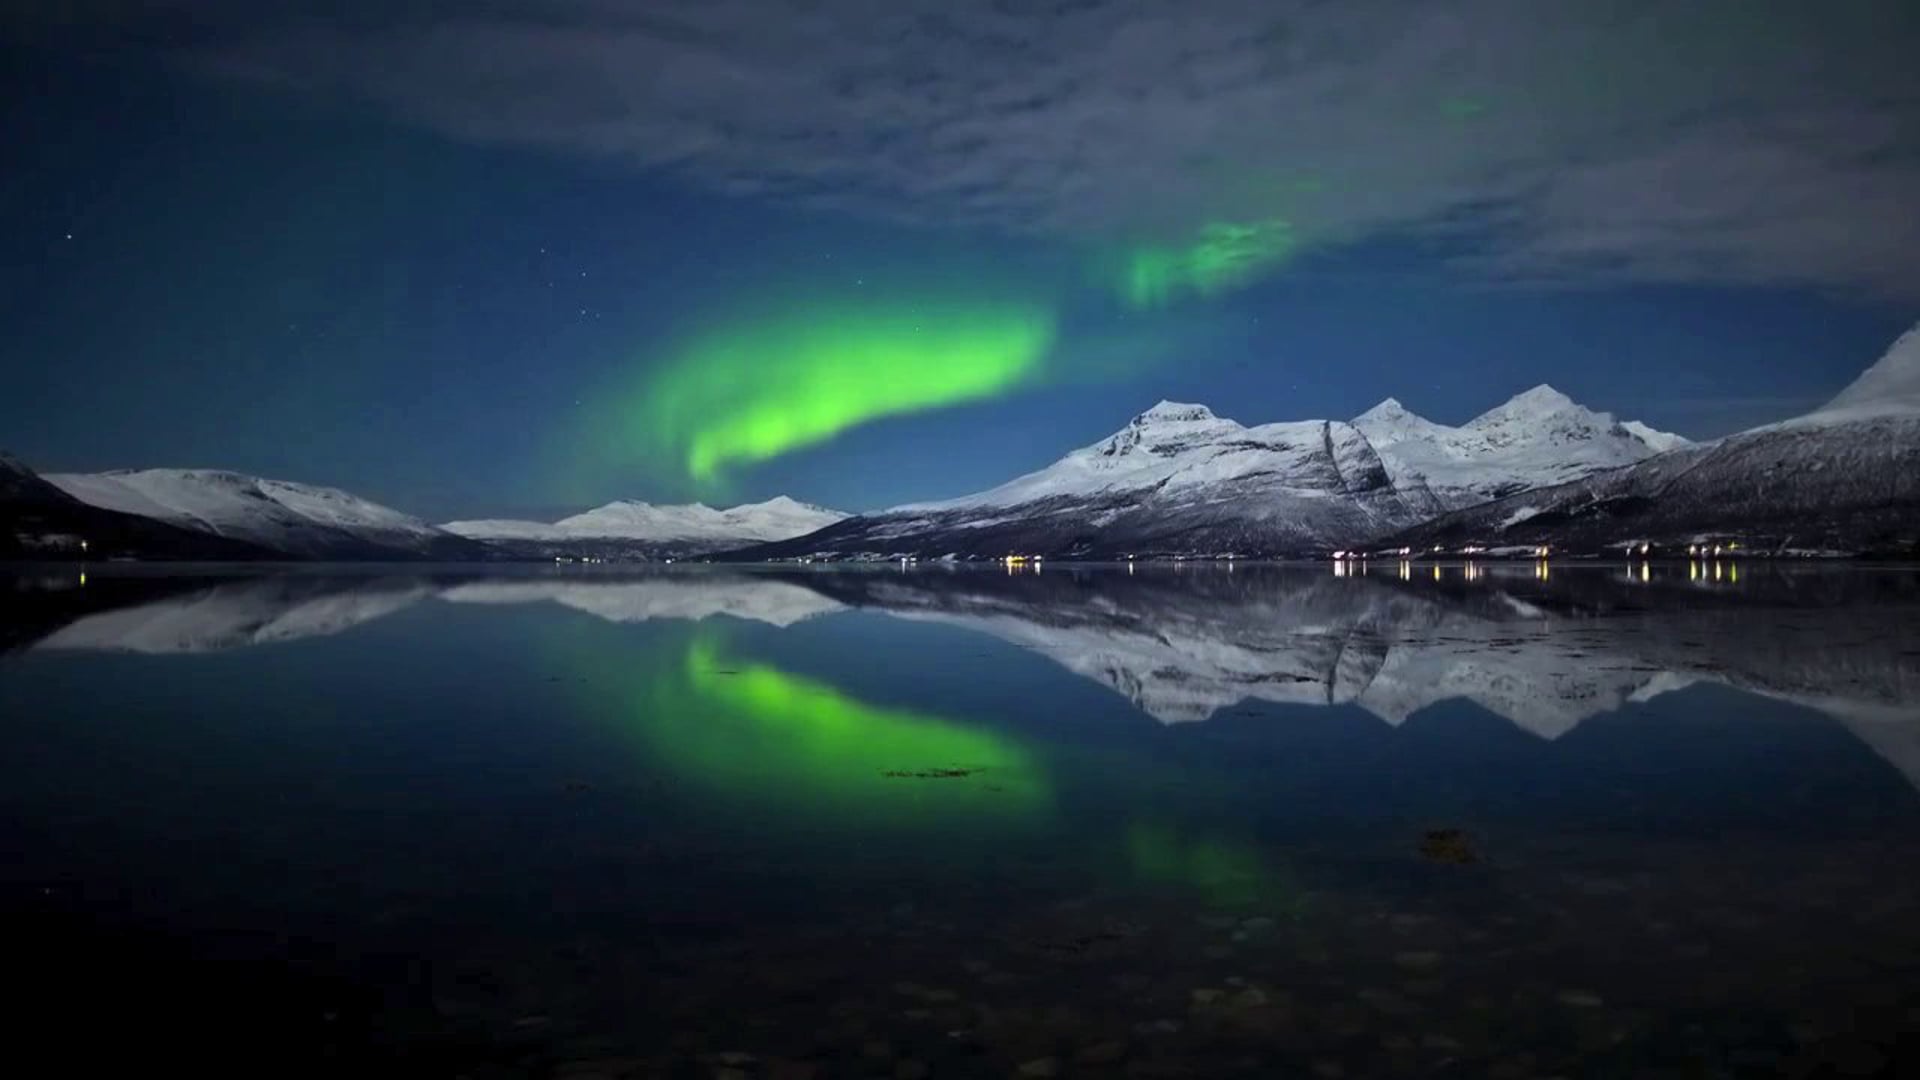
pixel 1448 846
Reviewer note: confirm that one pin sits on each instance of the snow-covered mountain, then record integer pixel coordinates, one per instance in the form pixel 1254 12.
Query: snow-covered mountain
pixel 38 520
pixel 638 528
pixel 1537 438
pixel 1888 389
pixel 1178 480
pixel 299 520
pixel 1844 478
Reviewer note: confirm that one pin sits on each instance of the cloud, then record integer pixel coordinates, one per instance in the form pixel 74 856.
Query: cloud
pixel 1721 141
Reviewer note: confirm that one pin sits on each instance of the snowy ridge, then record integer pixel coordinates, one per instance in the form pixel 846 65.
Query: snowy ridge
pixel 690 527
pixel 299 519
pixel 1171 448
pixel 1890 388
pixel 1660 441
pixel 1537 438
pixel 1843 479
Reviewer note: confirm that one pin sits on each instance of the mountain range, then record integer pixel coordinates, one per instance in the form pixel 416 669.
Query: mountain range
pixel 212 514
pixel 298 520
pixel 1843 479
pixel 1177 480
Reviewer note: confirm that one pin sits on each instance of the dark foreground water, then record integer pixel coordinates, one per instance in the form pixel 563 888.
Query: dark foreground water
pixel 1491 821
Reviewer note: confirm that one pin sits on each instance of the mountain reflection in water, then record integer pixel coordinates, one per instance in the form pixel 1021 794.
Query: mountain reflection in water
pixel 1205 820
pixel 1185 644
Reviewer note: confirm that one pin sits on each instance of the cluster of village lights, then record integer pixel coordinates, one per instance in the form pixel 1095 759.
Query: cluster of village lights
pixel 1705 563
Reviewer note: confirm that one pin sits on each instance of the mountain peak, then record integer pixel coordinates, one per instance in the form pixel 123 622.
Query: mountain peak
pixel 1542 398
pixel 1386 412
pixel 1528 405
pixel 1172 412
pixel 784 504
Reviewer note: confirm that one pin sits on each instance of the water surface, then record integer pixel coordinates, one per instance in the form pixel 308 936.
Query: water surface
pixel 1488 820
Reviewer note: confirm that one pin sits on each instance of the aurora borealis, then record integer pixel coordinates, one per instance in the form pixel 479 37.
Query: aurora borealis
pixel 524 259
pixel 1225 255
pixel 752 390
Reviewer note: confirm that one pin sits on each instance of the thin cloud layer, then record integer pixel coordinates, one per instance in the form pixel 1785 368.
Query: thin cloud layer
pixel 1747 142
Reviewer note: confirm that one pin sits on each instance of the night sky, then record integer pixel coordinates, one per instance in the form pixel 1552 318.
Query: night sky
pixel 520 257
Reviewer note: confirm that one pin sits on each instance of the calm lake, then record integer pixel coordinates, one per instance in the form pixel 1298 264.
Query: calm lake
pixel 1500 820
